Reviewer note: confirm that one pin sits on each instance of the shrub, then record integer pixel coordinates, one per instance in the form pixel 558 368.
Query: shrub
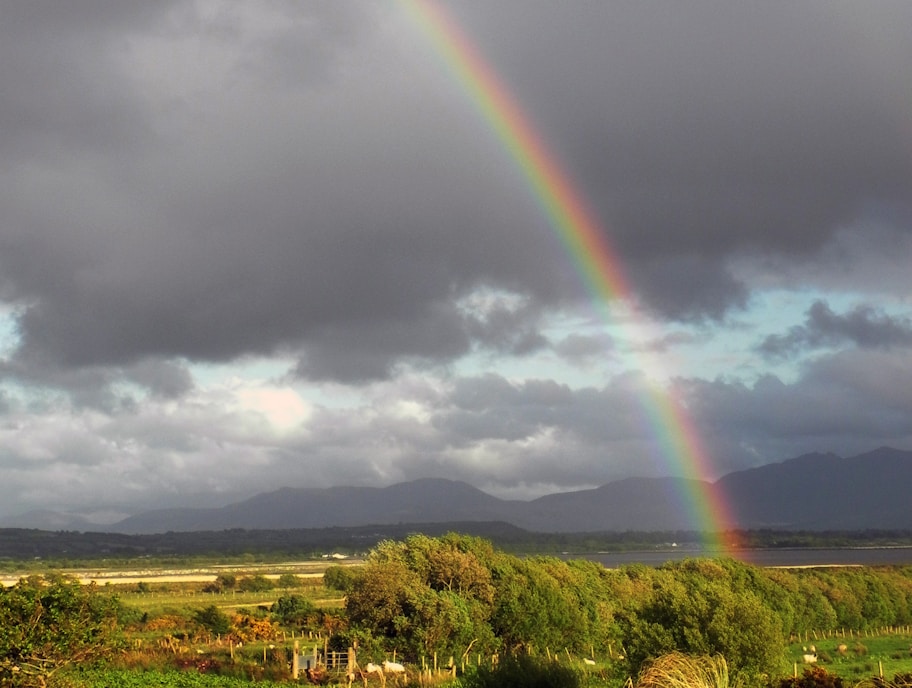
pixel 49 622
pixel 676 670
pixel 339 578
pixel 524 671
pixel 289 580
pixel 814 677
pixel 258 583
pixel 292 610
pixel 213 620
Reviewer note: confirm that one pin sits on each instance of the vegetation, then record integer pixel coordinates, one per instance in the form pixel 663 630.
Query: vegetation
pixel 524 671
pixel 499 618
pixel 676 670
pixel 47 623
pixel 173 678
pixel 424 595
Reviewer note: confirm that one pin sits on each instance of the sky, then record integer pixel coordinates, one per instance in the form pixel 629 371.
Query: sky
pixel 246 246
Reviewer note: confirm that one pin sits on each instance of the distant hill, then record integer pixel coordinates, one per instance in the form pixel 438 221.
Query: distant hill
pixel 45 519
pixel 825 492
pixel 431 500
pixel 810 492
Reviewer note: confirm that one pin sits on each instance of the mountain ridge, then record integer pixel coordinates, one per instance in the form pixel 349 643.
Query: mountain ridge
pixel 815 491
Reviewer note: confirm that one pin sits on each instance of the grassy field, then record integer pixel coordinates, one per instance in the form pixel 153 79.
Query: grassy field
pixel 189 596
pixel 863 656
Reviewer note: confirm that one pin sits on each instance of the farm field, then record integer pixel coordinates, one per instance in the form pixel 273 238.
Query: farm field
pixel 884 653
pixel 132 573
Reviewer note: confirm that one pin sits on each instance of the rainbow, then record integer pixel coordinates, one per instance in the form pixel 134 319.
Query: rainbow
pixel 585 242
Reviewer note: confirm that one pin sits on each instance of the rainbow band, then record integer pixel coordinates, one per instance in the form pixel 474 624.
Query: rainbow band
pixel 584 241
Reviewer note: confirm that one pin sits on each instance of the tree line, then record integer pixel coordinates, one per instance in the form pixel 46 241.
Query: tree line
pixel 456 593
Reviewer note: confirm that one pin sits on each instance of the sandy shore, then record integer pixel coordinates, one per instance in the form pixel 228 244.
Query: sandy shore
pixel 205 575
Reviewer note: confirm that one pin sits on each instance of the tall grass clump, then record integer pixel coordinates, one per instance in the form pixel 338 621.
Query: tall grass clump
pixel 678 670
pixel 522 672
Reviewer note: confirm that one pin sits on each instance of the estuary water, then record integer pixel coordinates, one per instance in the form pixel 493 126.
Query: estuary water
pixel 852 556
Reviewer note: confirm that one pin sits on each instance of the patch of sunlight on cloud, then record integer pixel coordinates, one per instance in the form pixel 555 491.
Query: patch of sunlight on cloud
pixel 409 409
pixel 283 407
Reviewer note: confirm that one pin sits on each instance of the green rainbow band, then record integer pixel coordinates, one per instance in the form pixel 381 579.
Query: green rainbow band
pixel 583 239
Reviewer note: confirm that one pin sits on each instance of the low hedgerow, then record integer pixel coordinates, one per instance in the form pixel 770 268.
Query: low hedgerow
pixel 524 671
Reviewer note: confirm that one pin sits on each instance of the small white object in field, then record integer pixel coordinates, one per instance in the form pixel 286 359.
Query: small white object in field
pixel 393 667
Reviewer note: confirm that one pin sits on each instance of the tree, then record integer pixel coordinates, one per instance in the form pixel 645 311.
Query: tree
pixel 292 610
pixel 340 578
pixel 47 622
pixel 425 595
pixel 213 620
pixel 257 583
pixel 289 580
pixel 696 608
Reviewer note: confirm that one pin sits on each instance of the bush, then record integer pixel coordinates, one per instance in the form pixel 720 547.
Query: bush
pixel 49 622
pixel 289 580
pixel 213 620
pixel 815 677
pixel 258 583
pixel 339 578
pixel 522 671
pixel 676 670
pixel 292 610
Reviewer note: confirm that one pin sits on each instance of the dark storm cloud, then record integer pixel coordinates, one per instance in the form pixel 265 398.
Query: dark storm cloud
pixel 305 186
pixel 187 183
pixel 706 130
pixel 863 326
pixel 268 225
pixel 64 93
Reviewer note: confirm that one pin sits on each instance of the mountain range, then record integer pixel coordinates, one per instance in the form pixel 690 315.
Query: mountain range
pixel 810 492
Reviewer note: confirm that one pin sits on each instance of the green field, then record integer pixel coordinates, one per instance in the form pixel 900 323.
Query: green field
pixel 863 656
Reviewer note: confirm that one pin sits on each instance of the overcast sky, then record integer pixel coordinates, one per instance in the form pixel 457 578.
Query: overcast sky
pixel 254 245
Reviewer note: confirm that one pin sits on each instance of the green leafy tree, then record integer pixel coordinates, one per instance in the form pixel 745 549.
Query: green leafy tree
pixel 340 578
pixel 289 580
pixel 49 622
pixel 696 608
pixel 292 610
pixel 257 583
pixel 213 620
pixel 425 595
pixel 226 581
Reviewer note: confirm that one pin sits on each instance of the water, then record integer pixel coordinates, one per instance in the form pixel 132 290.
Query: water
pixel 855 556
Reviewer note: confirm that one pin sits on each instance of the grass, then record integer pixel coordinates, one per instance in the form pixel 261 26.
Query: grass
pixel 683 671
pixel 159 602
pixel 863 657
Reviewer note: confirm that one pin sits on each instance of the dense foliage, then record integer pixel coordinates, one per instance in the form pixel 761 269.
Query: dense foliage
pixel 522 670
pixel 455 593
pixel 49 622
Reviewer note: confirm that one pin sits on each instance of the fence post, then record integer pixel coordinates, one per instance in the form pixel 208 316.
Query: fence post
pixel 295 662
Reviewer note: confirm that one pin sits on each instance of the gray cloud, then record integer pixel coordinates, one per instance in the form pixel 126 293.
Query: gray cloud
pixel 864 326
pixel 309 187
pixel 711 131
pixel 308 184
